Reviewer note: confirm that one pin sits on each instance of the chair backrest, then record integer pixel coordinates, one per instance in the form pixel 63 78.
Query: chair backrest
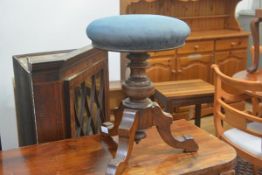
pixel 228 113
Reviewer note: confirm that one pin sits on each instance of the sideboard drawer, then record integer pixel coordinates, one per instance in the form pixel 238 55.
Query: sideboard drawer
pixel 196 47
pixel 231 43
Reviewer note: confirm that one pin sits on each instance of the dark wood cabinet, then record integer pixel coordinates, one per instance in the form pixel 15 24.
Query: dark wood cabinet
pixel 58 94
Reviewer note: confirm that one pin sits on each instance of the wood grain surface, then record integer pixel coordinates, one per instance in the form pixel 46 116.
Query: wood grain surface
pixel 184 89
pixel 90 155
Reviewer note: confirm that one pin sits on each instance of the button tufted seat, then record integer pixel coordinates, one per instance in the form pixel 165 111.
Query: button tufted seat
pixel 137 33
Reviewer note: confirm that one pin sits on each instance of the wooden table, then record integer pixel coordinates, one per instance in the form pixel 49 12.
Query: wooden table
pixel 86 156
pixel 256 76
pixel 183 93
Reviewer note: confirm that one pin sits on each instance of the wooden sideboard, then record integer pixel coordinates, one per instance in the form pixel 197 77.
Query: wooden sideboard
pixel 216 37
pixel 60 94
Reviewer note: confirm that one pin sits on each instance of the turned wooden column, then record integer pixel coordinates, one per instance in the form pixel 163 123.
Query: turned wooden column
pixel 138 89
pixel 138 86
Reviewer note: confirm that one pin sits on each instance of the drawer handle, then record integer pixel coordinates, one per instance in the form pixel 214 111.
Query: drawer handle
pixel 235 44
pixel 196 47
pixel 195 56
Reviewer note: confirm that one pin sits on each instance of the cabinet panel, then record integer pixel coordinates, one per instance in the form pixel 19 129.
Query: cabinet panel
pixel 163 53
pixel 196 47
pixel 231 43
pixel 231 62
pixel 161 69
pixel 196 66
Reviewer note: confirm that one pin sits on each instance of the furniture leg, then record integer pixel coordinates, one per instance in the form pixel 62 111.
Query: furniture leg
pixel 126 131
pixel 118 113
pixel 162 121
pixel 197 114
pixel 169 107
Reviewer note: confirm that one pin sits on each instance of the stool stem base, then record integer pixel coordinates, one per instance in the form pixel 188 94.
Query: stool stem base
pixel 127 135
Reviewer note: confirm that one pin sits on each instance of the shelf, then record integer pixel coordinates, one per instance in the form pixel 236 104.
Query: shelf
pixel 216 34
pixel 204 17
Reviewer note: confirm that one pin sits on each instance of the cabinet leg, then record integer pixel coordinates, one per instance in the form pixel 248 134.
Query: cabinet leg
pixel 126 131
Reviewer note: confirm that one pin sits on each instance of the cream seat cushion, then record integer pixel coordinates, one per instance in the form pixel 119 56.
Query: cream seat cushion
pixel 247 142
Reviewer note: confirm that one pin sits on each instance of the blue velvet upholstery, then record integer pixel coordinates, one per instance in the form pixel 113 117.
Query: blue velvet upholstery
pixel 137 33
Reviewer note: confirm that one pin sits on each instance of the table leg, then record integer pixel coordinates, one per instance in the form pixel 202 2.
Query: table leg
pixel 168 107
pixel 197 114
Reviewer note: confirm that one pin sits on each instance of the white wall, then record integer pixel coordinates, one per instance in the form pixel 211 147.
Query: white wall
pixel 248 5
pixel 244 4
pixel 35 25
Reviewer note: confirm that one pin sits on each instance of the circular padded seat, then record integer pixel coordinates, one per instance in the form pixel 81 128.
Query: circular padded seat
pixel 137 33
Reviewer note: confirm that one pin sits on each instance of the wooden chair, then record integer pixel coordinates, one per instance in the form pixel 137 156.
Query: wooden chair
pixel 253 72
pixel 255 35
pixel 245 133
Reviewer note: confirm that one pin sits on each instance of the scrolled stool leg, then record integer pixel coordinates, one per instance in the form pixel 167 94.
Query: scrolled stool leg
pixel 163 121
pixel 126 131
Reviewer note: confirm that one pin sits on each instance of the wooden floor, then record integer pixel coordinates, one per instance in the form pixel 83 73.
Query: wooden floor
pixel 207 124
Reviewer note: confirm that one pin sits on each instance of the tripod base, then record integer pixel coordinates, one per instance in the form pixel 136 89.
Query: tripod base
pixel 132 121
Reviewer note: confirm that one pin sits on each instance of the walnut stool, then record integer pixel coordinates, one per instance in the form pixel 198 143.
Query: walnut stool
pixel 137 35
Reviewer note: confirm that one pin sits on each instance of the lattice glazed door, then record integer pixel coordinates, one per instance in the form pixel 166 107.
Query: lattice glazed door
pixel 87 102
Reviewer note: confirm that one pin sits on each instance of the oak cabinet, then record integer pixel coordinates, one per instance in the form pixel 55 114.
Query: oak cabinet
pixel 216 37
